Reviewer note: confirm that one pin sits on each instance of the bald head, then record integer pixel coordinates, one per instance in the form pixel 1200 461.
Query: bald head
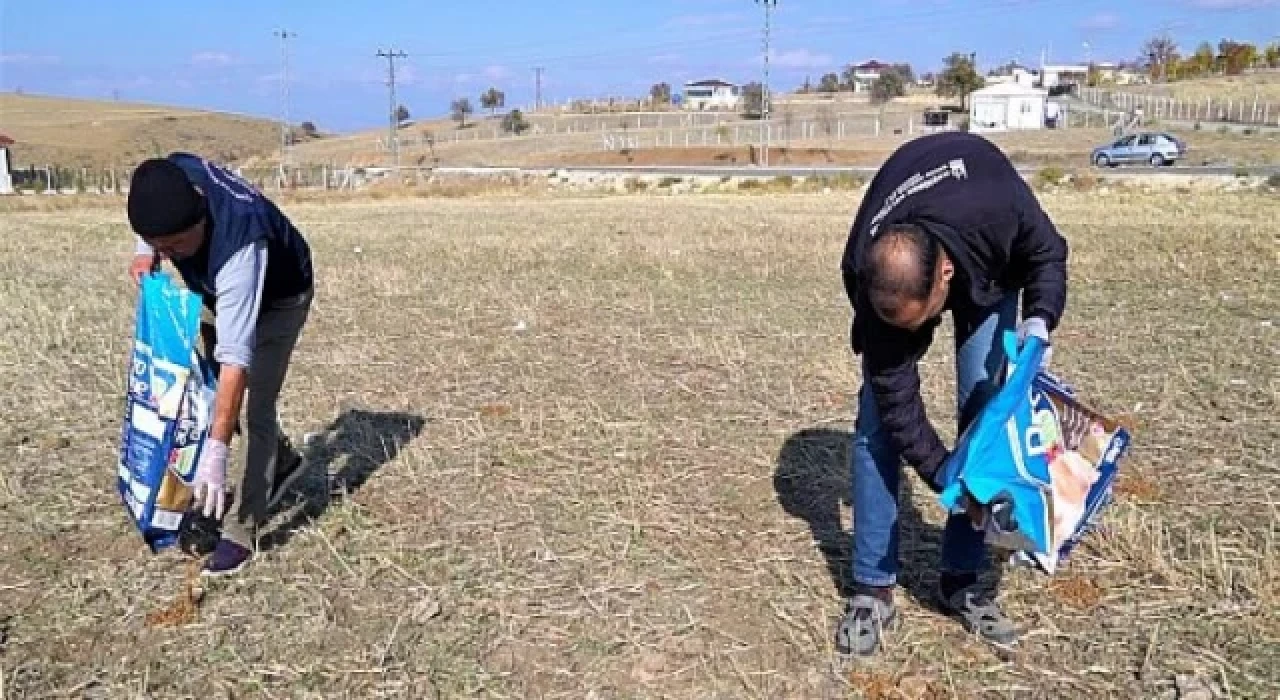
pixel 906 275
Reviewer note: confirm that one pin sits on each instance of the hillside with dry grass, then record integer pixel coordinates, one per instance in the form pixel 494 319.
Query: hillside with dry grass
pixel 570 447
pixel 1264 85
pixel 100 134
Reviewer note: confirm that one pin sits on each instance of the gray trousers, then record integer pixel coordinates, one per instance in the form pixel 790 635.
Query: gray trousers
pixel 251 475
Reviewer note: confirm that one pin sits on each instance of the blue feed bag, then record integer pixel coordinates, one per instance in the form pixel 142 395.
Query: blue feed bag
pixel 168 410
pixel 1039 456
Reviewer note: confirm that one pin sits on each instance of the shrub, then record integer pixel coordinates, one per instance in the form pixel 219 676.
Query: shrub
pixel 1050 175
pixel 1274 181
pixel 1084 181
pixel 784 181
pixel 669 181
pixel 750 184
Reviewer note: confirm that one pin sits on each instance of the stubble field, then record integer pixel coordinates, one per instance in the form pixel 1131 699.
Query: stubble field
pixel 583 447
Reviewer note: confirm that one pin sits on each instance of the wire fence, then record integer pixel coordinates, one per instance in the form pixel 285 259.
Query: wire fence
pixel 1209 109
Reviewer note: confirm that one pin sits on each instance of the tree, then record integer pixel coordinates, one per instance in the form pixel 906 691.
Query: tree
pixel 928 78
pixel 904 70
pixel 889 85
pixel 959 78
pixel 829 83
pixel 807 87
pixel 309 129
pixel 514 122
pixel 1158 54
pixel 461 109
pixel 661 93
pixel 493 99
pixel 402 114
pixel 1201 62
pixel 1234 56
pixel 1272 55
pixel 753 100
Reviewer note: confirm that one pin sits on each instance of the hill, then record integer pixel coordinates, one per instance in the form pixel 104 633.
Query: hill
pixel 1262 85
pixel 90 133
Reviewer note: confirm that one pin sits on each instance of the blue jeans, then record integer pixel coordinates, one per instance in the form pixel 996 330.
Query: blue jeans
pixel 980 364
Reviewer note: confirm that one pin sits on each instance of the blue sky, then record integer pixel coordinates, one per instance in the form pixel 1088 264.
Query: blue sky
pixel 221 54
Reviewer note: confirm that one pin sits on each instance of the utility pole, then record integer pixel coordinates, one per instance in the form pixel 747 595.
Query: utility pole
pixel 537 88
pixel 393 140
pixel 284 36
pixel 765 97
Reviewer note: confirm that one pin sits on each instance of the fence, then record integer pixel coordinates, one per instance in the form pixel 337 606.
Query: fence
pixel 568 124
pixel 1170 108
pixel 782 132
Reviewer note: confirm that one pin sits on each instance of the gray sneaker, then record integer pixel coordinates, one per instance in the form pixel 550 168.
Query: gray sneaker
pixel 865 619
pixel 981 614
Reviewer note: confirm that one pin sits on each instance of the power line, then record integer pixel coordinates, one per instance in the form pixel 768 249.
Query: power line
pixel 285 148
pixel 393 140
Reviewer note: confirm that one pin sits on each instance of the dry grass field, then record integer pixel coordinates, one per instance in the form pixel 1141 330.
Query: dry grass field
pixel 1264 85
pixel 98 134
pixel 576 447
pixel 1065 147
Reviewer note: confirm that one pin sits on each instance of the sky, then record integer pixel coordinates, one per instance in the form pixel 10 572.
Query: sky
pixel 225 55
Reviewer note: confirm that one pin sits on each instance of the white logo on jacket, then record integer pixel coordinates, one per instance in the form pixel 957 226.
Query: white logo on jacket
pixel 916 184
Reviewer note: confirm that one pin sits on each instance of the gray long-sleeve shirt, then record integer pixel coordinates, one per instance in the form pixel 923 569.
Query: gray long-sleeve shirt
pixel 239 289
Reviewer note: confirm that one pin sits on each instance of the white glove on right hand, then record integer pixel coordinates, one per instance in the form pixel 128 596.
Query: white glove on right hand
pixel 1035 327
pixel 209 484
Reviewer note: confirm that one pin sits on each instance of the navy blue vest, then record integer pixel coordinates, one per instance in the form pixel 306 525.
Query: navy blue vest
pixel 239 215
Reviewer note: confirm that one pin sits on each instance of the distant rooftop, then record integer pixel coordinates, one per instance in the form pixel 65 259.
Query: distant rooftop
pixel 714 82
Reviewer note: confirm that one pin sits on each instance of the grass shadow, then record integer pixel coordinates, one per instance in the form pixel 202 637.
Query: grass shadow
pixel 813 483
pixel 362 442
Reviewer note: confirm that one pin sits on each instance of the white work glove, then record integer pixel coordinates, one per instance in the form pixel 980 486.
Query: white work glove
pixel 209 484
pixel 1035 327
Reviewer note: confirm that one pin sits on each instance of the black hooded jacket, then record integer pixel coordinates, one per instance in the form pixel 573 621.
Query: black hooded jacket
pixel 961 189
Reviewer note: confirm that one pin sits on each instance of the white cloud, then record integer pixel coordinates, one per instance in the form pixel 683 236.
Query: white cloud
pixel 212 58
pixel 1233 4
pixel 1100 22
pixel 705 20
pixel 496 72
pixel 29 59
pixel 797 58
pixel 666 59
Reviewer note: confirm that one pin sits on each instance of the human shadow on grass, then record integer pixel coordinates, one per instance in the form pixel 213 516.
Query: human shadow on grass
pixel 813 483
pixel 363 441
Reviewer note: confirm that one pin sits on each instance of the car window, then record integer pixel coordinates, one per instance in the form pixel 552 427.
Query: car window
pixel 1146 140
pixel 1126 141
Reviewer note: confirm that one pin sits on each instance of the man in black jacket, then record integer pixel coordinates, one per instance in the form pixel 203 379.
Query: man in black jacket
pixel 947 224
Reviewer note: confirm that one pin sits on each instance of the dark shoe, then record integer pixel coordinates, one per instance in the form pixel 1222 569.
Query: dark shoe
pixel 980 614
pixel 228 558
pixel 866 617
pixel 289 466
pixel 199 535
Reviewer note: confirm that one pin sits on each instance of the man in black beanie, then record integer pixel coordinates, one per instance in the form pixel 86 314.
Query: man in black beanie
pixel 253 271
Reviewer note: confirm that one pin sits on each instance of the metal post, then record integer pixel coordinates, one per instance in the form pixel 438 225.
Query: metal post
pixel 394 141
pixel 764 88
pixel 285 148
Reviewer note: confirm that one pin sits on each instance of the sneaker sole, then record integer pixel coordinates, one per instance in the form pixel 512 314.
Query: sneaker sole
pixel 206 573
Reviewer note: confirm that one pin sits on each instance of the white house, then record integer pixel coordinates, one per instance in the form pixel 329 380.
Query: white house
pixel 6 179
pixel 1007 106
pixel 711 95
pixel 1053 76
pixel 1017 75
pixel 864 74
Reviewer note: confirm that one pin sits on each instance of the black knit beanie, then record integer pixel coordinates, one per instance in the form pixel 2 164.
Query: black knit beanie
pixel 162 200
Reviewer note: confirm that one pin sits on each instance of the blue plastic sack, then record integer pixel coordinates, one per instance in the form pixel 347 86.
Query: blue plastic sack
pixel 168 411
pixel 1039 457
